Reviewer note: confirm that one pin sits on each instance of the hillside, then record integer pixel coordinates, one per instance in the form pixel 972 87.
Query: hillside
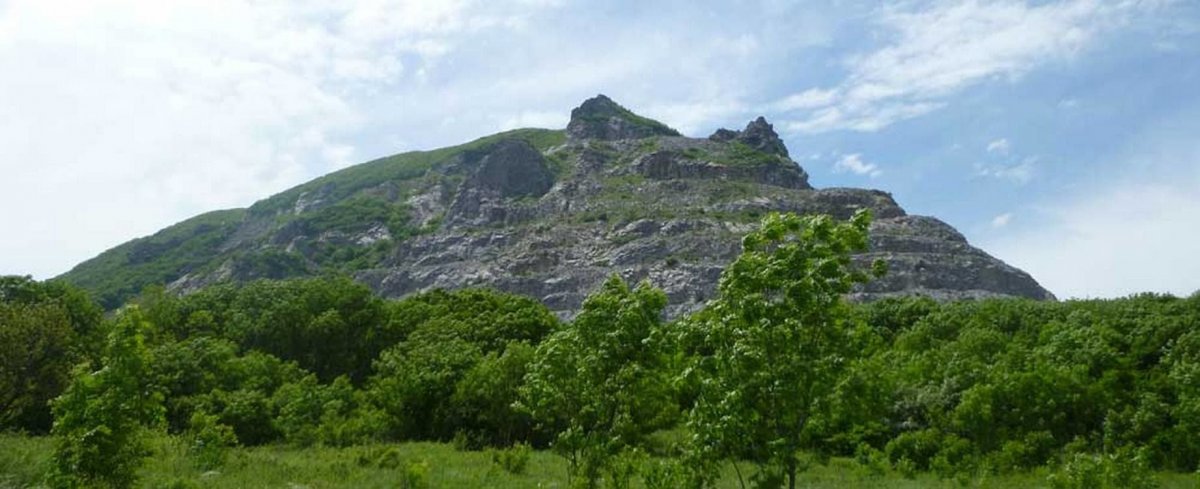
pixel 547 214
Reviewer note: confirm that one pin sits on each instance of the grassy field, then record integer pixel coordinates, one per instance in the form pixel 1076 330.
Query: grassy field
pixel 23 460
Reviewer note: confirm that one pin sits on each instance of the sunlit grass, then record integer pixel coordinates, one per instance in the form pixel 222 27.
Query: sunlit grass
pixel 23 460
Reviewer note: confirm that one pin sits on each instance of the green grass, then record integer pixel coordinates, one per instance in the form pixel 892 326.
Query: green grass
pixel 23 460
pixel 733 154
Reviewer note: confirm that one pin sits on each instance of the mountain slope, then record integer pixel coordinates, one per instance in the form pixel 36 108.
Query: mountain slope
pixel 548 214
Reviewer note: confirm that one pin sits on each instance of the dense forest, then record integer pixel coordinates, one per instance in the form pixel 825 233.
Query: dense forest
pixel 776 375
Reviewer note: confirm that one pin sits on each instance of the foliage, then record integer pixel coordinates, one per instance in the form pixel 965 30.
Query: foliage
pixel 777 371
pixel 331 326
pixel 599 383
pixel 513 459
pixel 120 273
pixel 36 356
pixel 100 419
pixel 1121 470
pixel 405 166
pixel 210 441
pixel 773 346
pixel 45 329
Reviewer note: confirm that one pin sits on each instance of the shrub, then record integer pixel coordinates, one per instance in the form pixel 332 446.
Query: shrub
pixel 1124 469
pixel 916 447
pixel 664 474
pixel 415 476
pixel 100 420
pixel 513 459
pixel 209 441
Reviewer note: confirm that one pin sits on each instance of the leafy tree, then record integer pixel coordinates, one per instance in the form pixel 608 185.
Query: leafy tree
pixel 188 371
pixel 329 326
pixel 100 419
pixel 433 384
pixel 600 382
pixel 484 398
pixel 416 380
pixel 774 344
pixel 45 328
pixel 36 356
pixel 84 314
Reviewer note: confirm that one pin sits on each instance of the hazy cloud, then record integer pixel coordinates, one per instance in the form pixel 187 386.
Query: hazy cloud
pixel 853 163
pixel 945 47
pixel 999 146
pixel 1001 220
pixel 1020 172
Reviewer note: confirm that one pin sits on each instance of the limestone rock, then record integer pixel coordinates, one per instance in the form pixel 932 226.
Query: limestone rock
pixel 551 214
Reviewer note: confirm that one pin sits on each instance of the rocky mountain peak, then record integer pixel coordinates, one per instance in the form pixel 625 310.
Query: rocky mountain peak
pixel 550 214
pixel 758 134
pixel 601 118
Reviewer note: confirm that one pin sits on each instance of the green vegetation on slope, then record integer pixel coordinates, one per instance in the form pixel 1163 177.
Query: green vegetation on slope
pixel 348 204
pixel 120 273
pixel 405 166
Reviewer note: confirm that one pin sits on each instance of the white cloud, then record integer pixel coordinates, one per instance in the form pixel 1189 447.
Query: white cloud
pixel 1112 243
pixel 808 99
pixel 1001 220
pixel 853 163
pixel 1020 173
pixel 1001 146
pixel 938 51
pixel 1133 231
pixel 119 118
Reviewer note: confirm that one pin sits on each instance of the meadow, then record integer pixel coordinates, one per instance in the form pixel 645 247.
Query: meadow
pixel 23 460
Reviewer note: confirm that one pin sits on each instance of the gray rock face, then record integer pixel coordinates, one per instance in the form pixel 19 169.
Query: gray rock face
pixel 512 169
pixel 616 193
pixel 601 118
pixel 759 135
pixel 669 165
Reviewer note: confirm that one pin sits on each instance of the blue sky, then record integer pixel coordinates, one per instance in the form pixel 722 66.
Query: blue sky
pixel 1061 136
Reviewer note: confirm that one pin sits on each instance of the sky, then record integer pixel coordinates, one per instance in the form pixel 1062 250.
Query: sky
pixel 1060 136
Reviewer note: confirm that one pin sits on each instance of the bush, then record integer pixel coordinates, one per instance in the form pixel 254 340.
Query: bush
pixel 415 476
pixel 664 474
pixel 513 459
pixel 1124 469
pixel 916 447
pixel 100 420
pixel 209 441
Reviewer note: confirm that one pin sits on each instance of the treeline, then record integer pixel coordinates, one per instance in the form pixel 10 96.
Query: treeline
pixel 777 372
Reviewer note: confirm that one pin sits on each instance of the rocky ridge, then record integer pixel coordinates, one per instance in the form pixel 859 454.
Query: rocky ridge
pixel 551 214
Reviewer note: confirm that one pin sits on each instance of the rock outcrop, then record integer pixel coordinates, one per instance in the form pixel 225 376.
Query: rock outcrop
pixel 759 135
pixel 551 214
pixel 601 118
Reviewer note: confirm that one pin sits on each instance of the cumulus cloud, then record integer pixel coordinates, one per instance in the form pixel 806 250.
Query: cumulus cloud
pixel 1001 146
pixel 853 163
pixel 1001 220
pixel 937 51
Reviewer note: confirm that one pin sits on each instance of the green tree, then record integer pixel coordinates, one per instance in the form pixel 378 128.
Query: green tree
pixel 774 344
pixel 99 422
pixel 600 382
pixel 36 357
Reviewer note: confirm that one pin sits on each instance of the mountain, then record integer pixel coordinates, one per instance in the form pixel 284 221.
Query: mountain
pixel 548 214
